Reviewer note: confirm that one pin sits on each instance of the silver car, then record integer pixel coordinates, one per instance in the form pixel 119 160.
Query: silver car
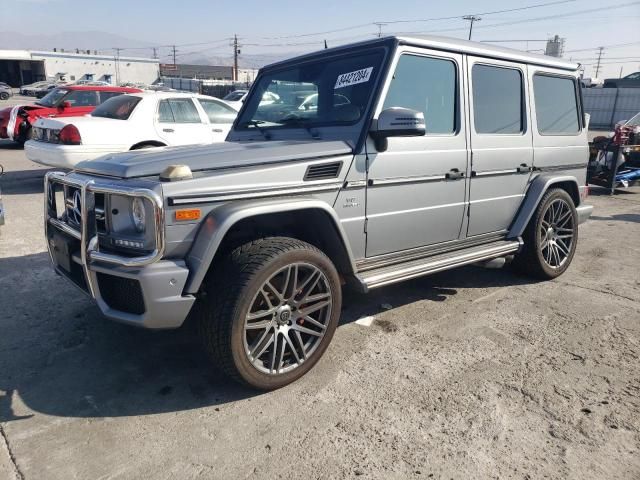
pixel 420 155
pixel 5 91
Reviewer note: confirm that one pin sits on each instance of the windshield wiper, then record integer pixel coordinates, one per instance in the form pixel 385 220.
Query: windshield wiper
pixel 257 123
pixel 300 123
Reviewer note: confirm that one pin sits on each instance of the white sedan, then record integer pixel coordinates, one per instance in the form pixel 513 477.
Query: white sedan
pixel 130 122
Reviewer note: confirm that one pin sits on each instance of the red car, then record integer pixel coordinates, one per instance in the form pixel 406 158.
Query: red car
pixel 67 101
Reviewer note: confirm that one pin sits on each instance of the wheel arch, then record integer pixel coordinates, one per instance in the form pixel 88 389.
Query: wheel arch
pixel 310 220
pixel 147 143
pixel 536 191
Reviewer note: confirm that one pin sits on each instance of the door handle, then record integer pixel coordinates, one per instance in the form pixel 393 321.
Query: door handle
pixel 168 130
pixel 216 130
pixel 524 168
pixel 454 174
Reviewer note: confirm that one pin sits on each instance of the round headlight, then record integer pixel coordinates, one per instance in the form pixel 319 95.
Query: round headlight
pixel 138 214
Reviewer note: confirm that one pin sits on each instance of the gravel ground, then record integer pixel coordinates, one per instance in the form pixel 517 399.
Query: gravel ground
pixel 472 373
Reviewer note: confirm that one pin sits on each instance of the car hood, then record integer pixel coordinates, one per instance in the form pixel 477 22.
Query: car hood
pixel 145 163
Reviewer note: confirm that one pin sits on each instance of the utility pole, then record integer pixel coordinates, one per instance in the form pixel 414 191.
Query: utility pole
pixel 379 25
pixel 236 52
pixel 173 50
pixel 118 50
pixel 155 52
pixel 471 18
pixel 600 50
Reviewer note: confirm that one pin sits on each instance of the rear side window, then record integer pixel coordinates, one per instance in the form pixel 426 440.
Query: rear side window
pixel 120 107
pixel 556 105
pixel 178 110
pixel 427 85
pixel 497 100
pixel 217 112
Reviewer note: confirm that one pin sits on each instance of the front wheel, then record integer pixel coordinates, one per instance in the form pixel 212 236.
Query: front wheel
pixel 551 237
pixel 4 96
pixel 270 310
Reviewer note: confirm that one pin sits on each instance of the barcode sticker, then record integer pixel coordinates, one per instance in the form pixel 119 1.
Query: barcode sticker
pixel 353 78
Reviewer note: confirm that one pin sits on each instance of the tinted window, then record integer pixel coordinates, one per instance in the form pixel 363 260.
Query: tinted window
pixel 427 85
pixel 497 100
pixel 556 107
pixel 235 96
pixel 217 112
pixel 82 98
pixel 119 107
pixel 178 110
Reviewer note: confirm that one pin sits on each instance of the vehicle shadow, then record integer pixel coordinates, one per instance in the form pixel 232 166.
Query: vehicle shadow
pixel 21 182
pixel 62 358
pixel 619 217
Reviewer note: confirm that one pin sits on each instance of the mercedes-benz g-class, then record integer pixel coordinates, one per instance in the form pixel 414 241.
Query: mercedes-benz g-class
pixel 380 161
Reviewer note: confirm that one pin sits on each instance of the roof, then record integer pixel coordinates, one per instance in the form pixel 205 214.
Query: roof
pixel 100 88
pixel 450 45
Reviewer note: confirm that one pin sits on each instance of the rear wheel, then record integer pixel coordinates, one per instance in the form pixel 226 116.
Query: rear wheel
pixel 270 311
pixel 4 96
pixel 551 237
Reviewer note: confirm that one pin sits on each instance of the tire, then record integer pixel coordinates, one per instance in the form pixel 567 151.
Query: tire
pixel 269 279
pixel 4 96
pixel 550 238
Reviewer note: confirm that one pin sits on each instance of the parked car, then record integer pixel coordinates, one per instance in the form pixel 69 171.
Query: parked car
pixel 630 81
pixel 130 122
pixel 44 90
pixel 94 83
pixel 15 122
pixel 237 97
pixel 257 237
pixel 5 91
pixel 29 90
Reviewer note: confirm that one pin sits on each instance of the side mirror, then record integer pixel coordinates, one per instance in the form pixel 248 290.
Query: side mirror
pixel 63 105
pixel 396 122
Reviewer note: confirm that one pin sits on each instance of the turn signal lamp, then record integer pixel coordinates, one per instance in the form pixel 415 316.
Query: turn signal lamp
pixel 188 214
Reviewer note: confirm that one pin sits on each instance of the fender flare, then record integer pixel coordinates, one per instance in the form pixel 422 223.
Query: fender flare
pixel 217 224
pixel 536 191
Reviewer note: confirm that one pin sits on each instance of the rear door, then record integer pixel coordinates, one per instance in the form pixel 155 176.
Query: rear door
pixel 179 122
pixel 220 118
pixel 501 143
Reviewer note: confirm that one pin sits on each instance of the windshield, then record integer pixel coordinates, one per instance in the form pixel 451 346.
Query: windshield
pixel 52 98
pixel 119 108
pixel 325 92
pixel 235 96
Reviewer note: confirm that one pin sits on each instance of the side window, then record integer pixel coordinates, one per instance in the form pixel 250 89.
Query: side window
pixel 556 105
pixel 497 100
pixel 178 110
pixel 82 98
pixel 217 112
pixel 104 96
pixel 427 85
pixel 165 115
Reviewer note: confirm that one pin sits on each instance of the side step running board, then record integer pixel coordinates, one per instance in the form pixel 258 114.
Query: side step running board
pixel 437 263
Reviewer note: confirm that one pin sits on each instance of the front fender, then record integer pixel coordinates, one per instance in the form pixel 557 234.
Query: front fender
pixel 218 223
pixel 536 191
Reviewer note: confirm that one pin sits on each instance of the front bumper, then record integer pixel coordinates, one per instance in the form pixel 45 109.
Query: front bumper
pixel 144 291
pixel 65 156
pixel 584 212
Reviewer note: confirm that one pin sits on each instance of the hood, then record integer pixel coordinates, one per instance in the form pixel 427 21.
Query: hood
pixel 144 163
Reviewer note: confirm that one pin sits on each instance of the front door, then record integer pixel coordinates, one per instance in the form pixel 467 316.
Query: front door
pixel 501 143
pixel 416 188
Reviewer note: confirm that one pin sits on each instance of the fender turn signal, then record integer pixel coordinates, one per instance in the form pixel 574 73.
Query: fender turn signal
pixel 188 214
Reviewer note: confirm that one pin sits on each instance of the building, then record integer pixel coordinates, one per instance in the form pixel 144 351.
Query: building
pixel 21 67
pixel 206 72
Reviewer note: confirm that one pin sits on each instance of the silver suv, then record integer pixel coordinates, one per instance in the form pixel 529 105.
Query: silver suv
pixel 419 155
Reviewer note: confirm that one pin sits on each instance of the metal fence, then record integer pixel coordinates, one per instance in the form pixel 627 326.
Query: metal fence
pixel 607 106
pixel 215 88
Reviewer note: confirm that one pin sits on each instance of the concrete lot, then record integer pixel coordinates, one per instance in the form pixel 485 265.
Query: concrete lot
pixel 471 373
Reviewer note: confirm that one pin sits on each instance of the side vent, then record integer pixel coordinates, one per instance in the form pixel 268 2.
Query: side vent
pixel 322 171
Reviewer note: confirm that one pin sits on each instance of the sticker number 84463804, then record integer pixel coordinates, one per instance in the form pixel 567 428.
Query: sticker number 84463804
pixel 353 78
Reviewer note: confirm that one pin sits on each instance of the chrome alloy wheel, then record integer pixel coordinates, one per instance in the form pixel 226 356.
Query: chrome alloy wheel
pixel 557 233
pixel 288 318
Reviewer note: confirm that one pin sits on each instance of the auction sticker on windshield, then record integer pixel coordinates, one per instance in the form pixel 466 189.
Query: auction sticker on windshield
pixel 353 78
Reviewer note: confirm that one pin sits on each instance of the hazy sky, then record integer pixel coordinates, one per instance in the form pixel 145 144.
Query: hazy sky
pixel 586 24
